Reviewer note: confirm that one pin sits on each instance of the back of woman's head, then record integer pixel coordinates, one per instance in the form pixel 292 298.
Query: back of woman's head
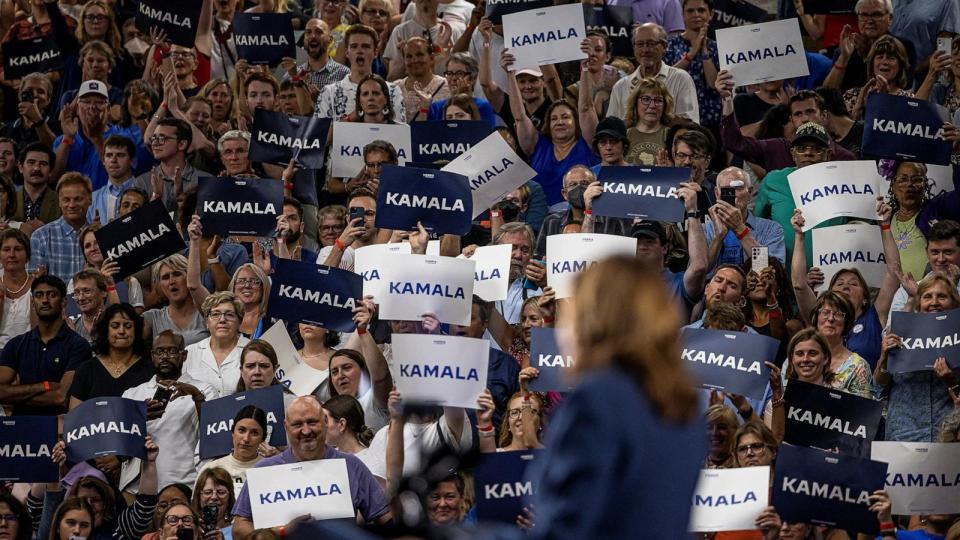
pixel 624 296
pixel 68 504
pixel 773 121
pixel 349 409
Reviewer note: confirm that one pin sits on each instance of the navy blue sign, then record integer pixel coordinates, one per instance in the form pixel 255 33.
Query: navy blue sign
pixel 502 487
pixel 264 38
pixel 729 13
pixel 615 22
pixel 440 200
pixel 106 426
pixel 828 419
pixel 276 138
pixel 822 488
pixel 830 7
pixel 554 366
pixel 315 294
pixel 239 206
pixel 178 19
pixel 35 55
pixel 730 361
pixel 445 140
pixel 139 239
pixel 641 192
pixel 496 9
pixel 305 186
pixel 898 127
pixel 216 419
pixel 926 337
pixel 26 443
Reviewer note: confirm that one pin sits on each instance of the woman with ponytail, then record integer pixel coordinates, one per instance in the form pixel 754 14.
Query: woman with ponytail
pixel 346 430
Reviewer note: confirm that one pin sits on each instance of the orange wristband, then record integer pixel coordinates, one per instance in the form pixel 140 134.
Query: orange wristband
pixel 884 226
pixel 339 245
pixel 361 331
pixel 46 386
pixel 743 234
pixel 66 140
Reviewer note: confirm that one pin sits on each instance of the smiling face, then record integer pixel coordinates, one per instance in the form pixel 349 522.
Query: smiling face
pixel 531 87
pixel 345 375
pixel 530 318
pixel 248 287
pixel 444 503
pixel 809 361
pixel 936 298
pixel 417 59
pixel 719 433
pixel 8 158
pixel 247 436
pixel 698 161
pixel 941 254
pixel 563 124
pixel 74 202
pixel 306 428
pixel 13 255
pixel 887 66
pixel 257 370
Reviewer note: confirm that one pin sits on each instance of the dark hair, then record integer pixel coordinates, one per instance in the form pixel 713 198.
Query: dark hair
pixel 125 118
pixel 11 206
pixel 106 492
pixel 738 270
pixel 184 131
pixel 603 35
pixel 389 115
pixel 330 340
pixel 785 296
pixel 697 142
pixel 724 316
pixel 101 345
pixel 348 408
pixel 356 29
pixel 96 276
pixel 290 201
pixel 836 300
pixel 832 101
pixel 188 207
pixel 351 354
pixel 464 102
pixel 24 528
pixel 20 237
pixel 51 280
pixel 254 413
pixel 119 141
pixel 680 123
pixel 545 128
pixel 264 348
pixel 709 4
pixel 68 504
pixel 137 191
pixel 484 306
pixel 944 230
pixel 37 147
pixel 804 95
pixel 380 145
pixel 773 121
pixel 181 487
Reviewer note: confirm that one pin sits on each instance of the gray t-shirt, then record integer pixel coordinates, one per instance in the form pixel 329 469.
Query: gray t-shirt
pixel 159 320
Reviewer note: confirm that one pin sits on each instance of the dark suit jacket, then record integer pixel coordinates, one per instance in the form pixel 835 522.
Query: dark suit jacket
pixel 49 210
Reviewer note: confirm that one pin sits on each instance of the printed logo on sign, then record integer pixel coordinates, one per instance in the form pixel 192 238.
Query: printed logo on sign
pixel 35 58
pixel 555 360
pixel 721 360
pixel 826 421
pixel 923 479
pixel 323 298
pixel 438 372
pixel 443 148
pixel 236 207
pixel 938 342
pixel 847 257
pixel 639 189
pixel 227 425
pixel 297 143
pixel 906 128
pixel 164 16
pixel 260 40
pixel 101 428
pixel 842 189
pixel 423 201
pixel 430 289
pixel 824 490
pixel 758 54
pixel 483 275
pixel 308 492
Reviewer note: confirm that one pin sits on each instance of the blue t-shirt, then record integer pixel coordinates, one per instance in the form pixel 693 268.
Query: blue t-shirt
pixel 550 171
pixel 486 111
pixel 866 335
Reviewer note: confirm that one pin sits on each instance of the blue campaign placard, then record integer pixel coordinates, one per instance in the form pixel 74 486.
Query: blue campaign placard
pixel 264 38
pixel 641 192
pixel 727 13
pixel 926 337
pixel 554 366
pixel 239 206
pixel 501 484
pixel 26 443
pixel 828 419
pixel 732 362
pixel 445 140
pixel 440 200
pixel 903 128
pixel 140 238
pixel 106 426
pixel 277 137
pixel 216 419
pixel 315 294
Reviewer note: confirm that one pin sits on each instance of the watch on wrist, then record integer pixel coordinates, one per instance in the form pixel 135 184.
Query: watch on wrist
pixel 695 214
pixel 955 389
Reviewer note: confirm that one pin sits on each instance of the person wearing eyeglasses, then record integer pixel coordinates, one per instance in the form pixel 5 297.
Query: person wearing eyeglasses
pixel 649 113
pixel 180 517
pixel 14 520
pixel 214 489
pixel 169 141
pixel 216 359
pixel 833 317
pixel 461 73
pixel 754 445
pixel 90 295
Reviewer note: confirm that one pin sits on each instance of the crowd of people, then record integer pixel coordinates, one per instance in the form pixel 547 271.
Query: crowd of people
pixel 132 118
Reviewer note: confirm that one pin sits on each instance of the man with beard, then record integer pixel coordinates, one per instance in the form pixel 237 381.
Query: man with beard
pixel 319 70
pixel 290 239
pixel 173 413
pixel 527 277
pixel 306 426
pixel 359 232
pixel 36 368
pixel 36 205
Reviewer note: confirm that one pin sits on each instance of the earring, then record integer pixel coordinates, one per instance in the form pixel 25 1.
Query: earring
pixel 360 113
pixel 386 111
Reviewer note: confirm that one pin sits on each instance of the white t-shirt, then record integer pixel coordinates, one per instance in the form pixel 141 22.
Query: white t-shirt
pixel 202 366
pixel 237 469
pixel 456 12
pixel 419 440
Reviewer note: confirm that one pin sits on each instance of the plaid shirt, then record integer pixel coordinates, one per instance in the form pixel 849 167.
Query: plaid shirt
pixel 56 246
pixel 332 72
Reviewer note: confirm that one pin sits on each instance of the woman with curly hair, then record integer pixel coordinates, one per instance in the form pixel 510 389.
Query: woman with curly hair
pixel 649 114
pixel 910 190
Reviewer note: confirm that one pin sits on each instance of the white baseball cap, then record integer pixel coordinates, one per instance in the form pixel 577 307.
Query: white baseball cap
pixel 530 71
pixel 93 87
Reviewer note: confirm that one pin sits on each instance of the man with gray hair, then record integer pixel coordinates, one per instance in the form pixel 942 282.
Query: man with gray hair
pixel 649 46
pixel 461 74
pixel 733 231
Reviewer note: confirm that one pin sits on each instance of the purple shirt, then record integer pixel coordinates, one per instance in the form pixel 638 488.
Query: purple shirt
pixel 666 13
pixel 771 154
pixel 367 495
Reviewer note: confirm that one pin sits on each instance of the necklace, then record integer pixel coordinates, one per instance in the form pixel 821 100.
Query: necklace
pixel 116 367
pixel 22 286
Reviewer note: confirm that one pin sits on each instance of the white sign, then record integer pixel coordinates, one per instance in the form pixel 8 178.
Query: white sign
pixel 492 277
pixel 855 245
pixel 493 169
pixel 551 35
pixel 369 261
pixel 923 478
pixel 571 254
pixel 836 189
pixel 293 373
pixel 280 493
pixel 412 285
pixel 442 370
pixel 729 499
pixel 349 138
pixel 756 53
pixel 942 176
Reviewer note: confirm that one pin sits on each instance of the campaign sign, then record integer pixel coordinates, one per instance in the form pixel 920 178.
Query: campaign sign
pixel 570 254
pixel 493 169
pixel 727 13
pixel 502 485
pixel 821 417
pixel 446 140
pixel 264 38
pixel 729 499
pixel 442 370
pixel 923 478
pixel 293 373
pixel 106 426
pixel 315 294
pixel 834 189
pixel 280 493
pixel 177 19
pixel 829 7
pixel 239 206
pixel 278 138
pixel 544 36
pixel 496 9
pixel 216 419
pixel 439 200
pixel 855 245
pixel 491 279
pixel 555 367
pixel 615 22
pixel 926 337
pixel 369 261
pixel 908 129
pixel 641 192
pixel 349 138
pixel 416 284
pixel 941 177
pixel 139 239
pixel 823 488
pixel 34 55
pixel 762 52
pixel 732 362
pixel 26 443
pixel 305 186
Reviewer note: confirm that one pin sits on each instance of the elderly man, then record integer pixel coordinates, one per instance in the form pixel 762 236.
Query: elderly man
pixel 733 231
pixel 649 47
pixel 306 426
pixel 527 276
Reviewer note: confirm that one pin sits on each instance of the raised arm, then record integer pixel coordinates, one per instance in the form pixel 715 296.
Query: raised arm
pixel 372 355
pixel 587 112
pixel 695 275
pixel 806 298
pixel 198 292
pixel 527 134
pixel 395 442
pixel 891 278
pixel 204 39
pixel 493 92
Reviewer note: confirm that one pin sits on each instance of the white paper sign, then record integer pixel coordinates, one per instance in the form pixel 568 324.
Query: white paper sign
pixel 762 52
pixel 412 285
pixel 836 189
pixel 942 176
pixel 856 245
pixel 280 493
pixel 571 254
pixel 923 478
pixel 293 373
pixel 551 35
pixel 349 138
pixel 729 499
pixel 368 261
pixel 442 370
pixel 493 170
pixel 492 277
